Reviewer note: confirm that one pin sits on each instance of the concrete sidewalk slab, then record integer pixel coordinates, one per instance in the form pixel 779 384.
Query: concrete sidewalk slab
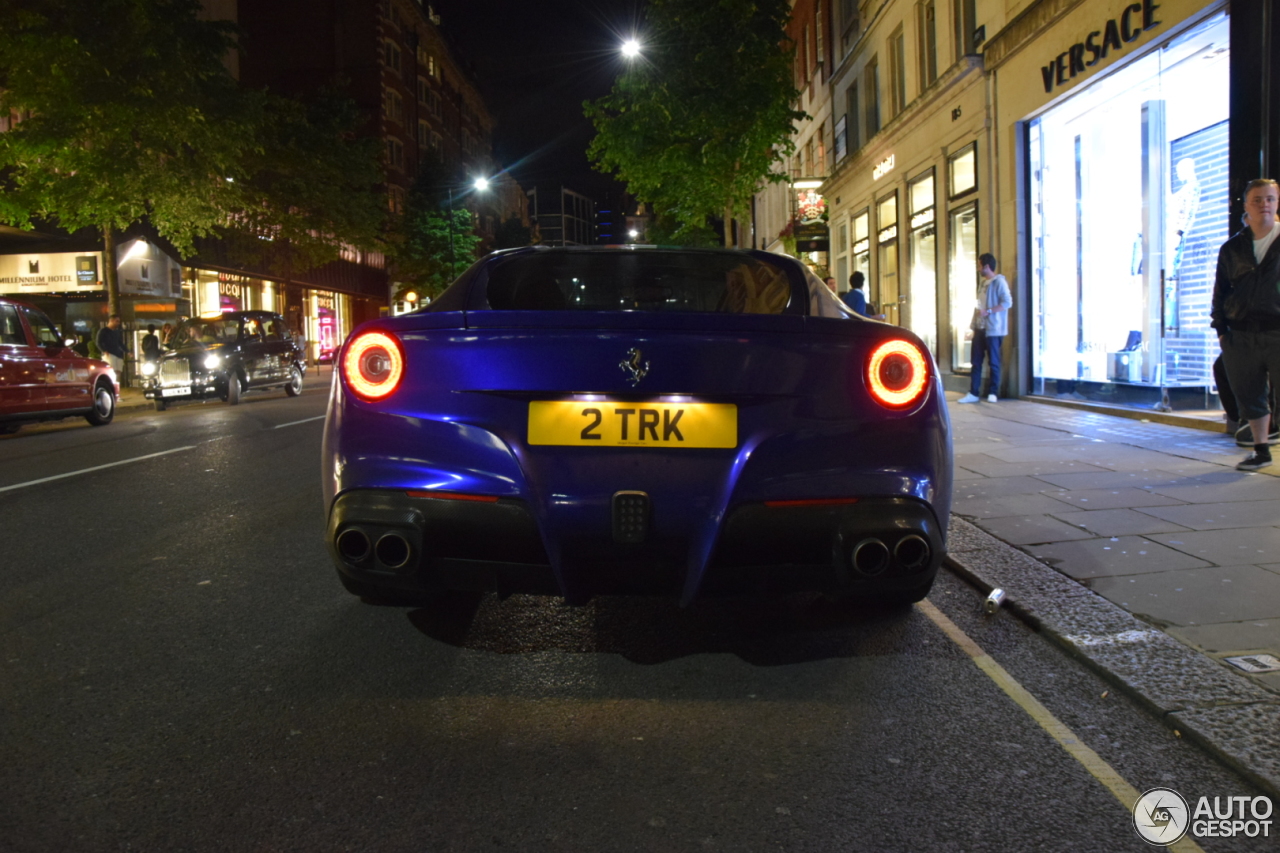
pixel 1138 547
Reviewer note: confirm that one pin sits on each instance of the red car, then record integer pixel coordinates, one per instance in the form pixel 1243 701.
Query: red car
pixel 41 378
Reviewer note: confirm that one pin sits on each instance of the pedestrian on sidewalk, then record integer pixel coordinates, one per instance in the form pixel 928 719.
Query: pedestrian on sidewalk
pixel 151 344
pixel 990 324
pixel 111 343
pixel 1246 313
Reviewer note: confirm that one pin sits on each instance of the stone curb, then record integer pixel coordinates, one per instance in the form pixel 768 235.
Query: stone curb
pixel 1236 720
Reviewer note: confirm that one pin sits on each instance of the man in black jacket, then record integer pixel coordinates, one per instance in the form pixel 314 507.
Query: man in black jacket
pixel 1246 312
pixel 111 342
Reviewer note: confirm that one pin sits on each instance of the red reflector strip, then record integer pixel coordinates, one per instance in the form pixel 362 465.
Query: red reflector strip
pixel 813 502
pixel 454 496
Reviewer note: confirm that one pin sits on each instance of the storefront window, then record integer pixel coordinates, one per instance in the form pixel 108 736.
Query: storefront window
pixel 922 307
pixel 861 249
pixel 887 257
pixel 962 282
pixel 842 257
pixel 962 171
pixel 1128 207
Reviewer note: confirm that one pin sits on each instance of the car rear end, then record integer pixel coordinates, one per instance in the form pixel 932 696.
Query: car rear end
pixel 678 422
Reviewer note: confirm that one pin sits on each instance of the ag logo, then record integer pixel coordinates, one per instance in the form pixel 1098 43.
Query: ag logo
pixel 1161 816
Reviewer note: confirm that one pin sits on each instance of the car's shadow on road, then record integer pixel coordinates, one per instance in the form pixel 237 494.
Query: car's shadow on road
pixel 651 630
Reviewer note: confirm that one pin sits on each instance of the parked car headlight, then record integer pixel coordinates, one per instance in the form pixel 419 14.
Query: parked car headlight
pixel 148 368
pixel 212 361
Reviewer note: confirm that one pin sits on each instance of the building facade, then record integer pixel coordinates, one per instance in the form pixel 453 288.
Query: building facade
pixel 790 215
pixel 1088 144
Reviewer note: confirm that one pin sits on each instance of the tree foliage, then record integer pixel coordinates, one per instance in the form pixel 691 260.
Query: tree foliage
pixel 127 113
pixel 512 234
pixel 428 251
pixel 696 123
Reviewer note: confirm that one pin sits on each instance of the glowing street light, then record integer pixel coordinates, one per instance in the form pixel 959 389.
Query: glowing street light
pixel 630 49
pixel 482 184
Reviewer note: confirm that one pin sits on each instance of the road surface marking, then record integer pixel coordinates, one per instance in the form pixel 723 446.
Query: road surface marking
pixel 94 468
pixel 1097 767
pixel 295 423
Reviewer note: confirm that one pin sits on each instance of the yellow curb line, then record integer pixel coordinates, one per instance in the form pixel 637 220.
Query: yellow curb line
pixel 1099 769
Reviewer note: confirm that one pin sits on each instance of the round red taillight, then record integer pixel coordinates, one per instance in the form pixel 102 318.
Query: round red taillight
pixel 373 365
pixel 897 373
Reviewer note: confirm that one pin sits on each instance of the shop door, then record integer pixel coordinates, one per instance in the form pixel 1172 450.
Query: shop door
pixel 890 299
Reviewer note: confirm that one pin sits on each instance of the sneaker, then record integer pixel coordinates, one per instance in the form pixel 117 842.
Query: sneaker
pixel 970 398
pixel 1244 436
pixel 991 398
pixel 1254 461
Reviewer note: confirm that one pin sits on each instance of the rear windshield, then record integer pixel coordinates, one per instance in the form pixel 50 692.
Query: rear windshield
pixel 639 281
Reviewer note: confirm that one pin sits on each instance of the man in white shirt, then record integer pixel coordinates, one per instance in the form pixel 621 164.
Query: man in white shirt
pixel 990 324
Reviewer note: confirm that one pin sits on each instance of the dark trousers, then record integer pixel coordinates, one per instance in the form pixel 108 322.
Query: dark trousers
pixel 988 348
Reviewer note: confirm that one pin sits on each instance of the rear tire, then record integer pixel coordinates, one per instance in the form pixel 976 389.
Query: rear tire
pixel 104 405
pixel 294 388
pixel 233 389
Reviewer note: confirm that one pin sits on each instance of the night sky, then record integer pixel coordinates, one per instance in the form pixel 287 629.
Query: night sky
pixel 536 61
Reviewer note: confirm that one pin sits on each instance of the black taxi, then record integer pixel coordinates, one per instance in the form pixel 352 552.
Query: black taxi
pixel 224 357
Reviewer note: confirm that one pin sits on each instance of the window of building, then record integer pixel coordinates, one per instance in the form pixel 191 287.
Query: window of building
pixel 962 171
pixel 819 52
pixel 842 138
pixel 851 98
pixel 860 249
pixel 849 24
pixel 427 60
pixel 871 85
pixel 424 90
pixel 391 55
pixel 804 55
pixel 424 134
pixel 928 43
pixel 394 106
pixel 395 199
pixel 437 142
pixel 1128 204
pixel 897 71
pixel 433 103
pixel 965 15
pixel 887 257
pixel 395 154
pixel 922 248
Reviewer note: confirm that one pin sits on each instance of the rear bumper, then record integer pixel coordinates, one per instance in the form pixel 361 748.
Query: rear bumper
pixel 397 542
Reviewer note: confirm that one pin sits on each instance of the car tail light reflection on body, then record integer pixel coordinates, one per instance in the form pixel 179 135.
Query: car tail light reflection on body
pixel 897 373
pixel 373 365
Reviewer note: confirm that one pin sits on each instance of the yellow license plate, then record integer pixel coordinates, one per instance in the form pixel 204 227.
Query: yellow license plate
pixel 613 424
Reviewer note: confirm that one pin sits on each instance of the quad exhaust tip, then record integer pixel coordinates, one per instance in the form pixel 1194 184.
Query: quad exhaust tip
pixel 870 556
pixel 353 544
pixel 912 552
pixel 393 551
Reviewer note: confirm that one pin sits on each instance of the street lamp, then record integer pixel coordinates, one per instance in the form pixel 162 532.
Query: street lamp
pixel 480 184
pixel 630 49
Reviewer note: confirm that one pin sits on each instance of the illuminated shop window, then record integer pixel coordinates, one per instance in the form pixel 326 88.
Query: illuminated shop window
pixel 1128 207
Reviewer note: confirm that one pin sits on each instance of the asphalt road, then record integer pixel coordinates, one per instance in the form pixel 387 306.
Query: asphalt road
pixel 180 670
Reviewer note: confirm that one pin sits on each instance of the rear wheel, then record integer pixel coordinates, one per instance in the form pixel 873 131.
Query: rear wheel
pixel 294 388
pixel 233 389
pixel 104 405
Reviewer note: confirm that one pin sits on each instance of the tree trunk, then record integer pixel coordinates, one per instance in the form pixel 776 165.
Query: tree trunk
pixel 729 241
pixel 109 269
